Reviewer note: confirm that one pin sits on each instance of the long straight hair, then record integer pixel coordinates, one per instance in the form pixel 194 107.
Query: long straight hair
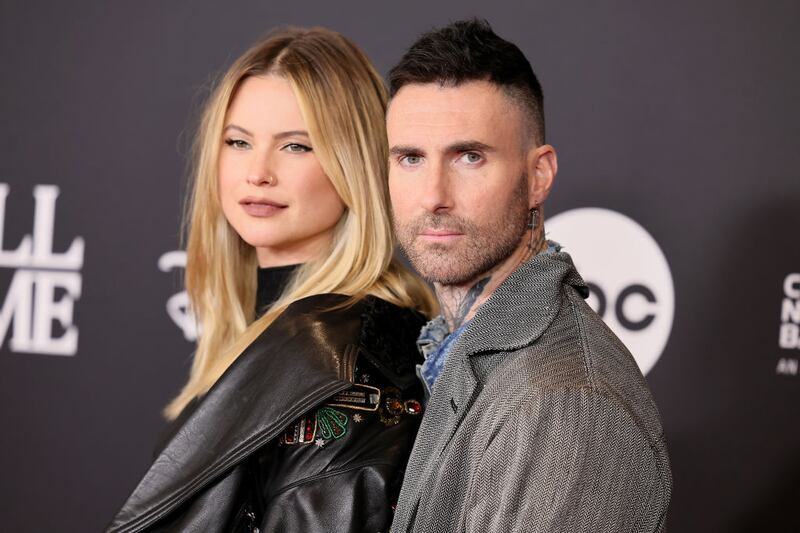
pixel 343 102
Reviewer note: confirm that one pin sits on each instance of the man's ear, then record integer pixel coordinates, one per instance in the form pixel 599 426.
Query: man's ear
pixel 542 166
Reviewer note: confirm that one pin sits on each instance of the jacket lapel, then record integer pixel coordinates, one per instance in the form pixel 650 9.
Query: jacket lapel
pixel 291 367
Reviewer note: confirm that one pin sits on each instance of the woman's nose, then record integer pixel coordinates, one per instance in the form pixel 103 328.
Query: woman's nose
pixel 261 178
pixel 260 172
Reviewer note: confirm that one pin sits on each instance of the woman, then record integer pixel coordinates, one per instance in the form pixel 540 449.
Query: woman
pixel 301 405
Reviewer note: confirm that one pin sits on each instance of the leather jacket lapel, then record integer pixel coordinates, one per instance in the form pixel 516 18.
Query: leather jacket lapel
pixel 294 365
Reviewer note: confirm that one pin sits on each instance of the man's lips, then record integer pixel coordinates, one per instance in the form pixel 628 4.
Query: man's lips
pixel 261 207
pixel 440 235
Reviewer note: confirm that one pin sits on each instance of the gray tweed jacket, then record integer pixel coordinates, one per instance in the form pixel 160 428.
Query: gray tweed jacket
pixel 539 422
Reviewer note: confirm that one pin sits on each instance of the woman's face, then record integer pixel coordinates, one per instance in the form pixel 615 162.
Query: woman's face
pixel 271 185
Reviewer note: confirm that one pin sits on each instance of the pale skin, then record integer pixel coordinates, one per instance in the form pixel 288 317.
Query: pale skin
pixel 272 188
pixel 457 155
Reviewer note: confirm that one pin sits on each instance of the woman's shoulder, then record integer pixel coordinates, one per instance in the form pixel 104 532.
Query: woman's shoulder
pixel 380 331
pixel 382 325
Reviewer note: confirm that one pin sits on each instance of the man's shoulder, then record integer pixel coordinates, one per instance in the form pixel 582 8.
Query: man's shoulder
pixel 612 370
pixel 576 359
pixel 576 350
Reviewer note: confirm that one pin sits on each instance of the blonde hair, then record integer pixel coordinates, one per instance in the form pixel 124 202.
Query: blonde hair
pixel 343 102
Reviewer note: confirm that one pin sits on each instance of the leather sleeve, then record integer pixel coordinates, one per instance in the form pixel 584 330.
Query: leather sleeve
pixel 215 508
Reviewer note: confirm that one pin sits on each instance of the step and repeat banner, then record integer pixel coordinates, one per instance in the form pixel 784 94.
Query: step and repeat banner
pixel 678 196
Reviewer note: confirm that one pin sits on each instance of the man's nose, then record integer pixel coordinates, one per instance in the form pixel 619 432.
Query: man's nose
pixel 437 195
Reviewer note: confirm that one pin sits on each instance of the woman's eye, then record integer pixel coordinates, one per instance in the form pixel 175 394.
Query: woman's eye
pixel 471 158
pixel 237 143
pixel 297 148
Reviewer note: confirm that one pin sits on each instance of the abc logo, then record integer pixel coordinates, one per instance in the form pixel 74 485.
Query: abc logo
pixel 628 275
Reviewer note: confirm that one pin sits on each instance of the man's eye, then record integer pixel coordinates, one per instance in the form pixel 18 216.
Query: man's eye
pixel 471 158
pixel 410 160
pixel 297 148
pixel 237 143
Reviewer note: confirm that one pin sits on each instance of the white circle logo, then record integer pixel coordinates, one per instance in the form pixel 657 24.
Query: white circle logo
pixel 627 273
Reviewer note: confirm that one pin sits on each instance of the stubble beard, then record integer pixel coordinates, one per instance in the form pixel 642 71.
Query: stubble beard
pixel 479 250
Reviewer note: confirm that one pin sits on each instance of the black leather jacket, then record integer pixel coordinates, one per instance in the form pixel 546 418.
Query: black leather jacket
pixel 308 430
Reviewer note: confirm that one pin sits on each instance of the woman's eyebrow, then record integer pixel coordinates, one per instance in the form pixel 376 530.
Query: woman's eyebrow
pixel 238 128
pixel 292 133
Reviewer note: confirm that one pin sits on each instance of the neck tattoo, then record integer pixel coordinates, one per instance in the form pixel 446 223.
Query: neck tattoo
pixel 456 308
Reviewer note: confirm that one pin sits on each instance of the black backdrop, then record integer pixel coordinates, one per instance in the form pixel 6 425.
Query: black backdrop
pixel 683 117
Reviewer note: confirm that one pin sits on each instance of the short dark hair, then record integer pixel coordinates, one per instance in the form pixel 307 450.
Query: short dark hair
pixel 469 50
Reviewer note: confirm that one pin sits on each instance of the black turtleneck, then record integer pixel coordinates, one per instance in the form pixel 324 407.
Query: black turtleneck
pixel 271 282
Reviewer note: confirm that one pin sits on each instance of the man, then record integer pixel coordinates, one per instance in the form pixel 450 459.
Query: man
pixel 538 419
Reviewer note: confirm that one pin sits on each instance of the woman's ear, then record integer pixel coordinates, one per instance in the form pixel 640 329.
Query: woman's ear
pixel 542 165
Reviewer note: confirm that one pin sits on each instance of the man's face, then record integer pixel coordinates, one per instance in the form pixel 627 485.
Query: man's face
pixel 457 178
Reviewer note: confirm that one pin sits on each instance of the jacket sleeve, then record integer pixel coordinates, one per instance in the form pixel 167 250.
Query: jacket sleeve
pixel 566 461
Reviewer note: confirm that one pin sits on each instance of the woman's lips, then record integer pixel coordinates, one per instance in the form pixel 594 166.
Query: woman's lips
pixel 261 208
